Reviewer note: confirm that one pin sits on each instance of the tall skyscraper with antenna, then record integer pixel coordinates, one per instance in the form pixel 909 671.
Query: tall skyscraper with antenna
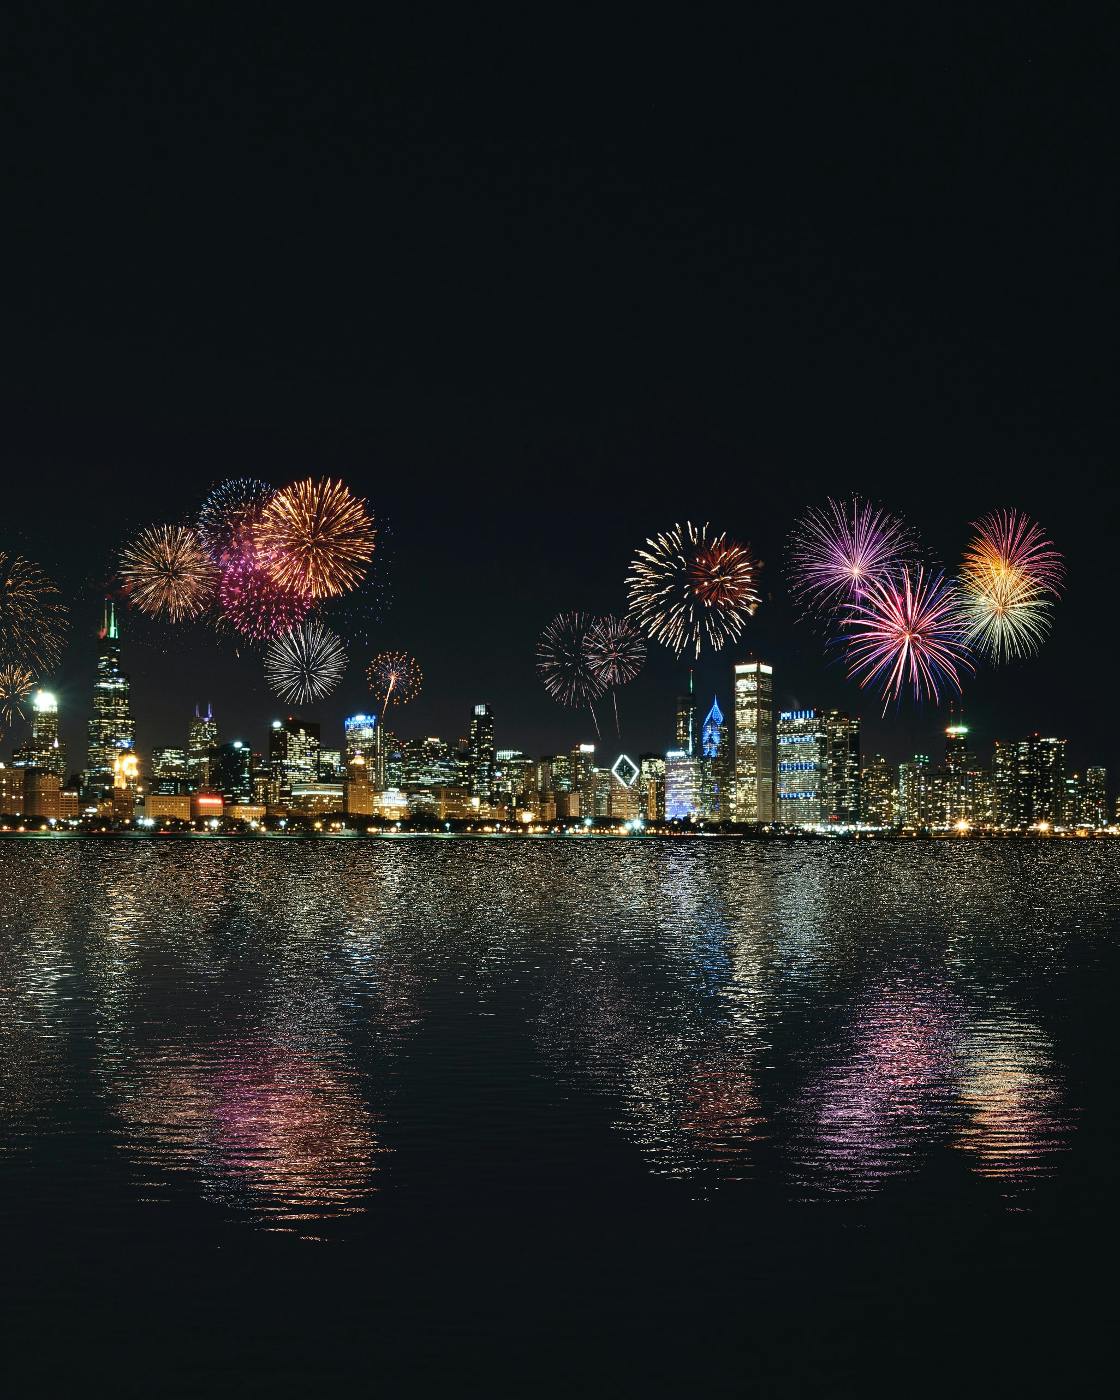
pixel 202 739
pixel 111 727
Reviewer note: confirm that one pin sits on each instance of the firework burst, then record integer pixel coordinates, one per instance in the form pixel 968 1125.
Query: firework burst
pixel 563 665
pixel 317 536
pixel 33 618
pixel 228 513
pixel 908 633
pixel 837 550
pixel 616 652
pixel 395 678
pixel 689 587
pixel 305 664
pixel 168 574
pixel 253 603
pixel 1010 577
pixel 16 684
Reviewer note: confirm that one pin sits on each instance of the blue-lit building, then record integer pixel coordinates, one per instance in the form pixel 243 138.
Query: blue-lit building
pixel 802 759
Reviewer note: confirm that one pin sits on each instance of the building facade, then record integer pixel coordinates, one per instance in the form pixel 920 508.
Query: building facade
pixel 755 767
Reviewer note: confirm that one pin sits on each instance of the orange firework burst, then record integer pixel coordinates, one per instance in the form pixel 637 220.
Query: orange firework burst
pixel 168 573
pixel 16 683
pixel 688 587
pixel 1010 576
pixel 394 678
pixel 317 536
pixel 33 620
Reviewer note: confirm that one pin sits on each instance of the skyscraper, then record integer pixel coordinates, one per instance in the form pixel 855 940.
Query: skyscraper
pixel 682 786
pixel 293 752
pixel 43 749
pixel 1094 804
pixel 231 773
pixel 717 766
pixel 840 796
pixel 915 807
pixel 1040 775
pixel 877 792
pixel 802 758
pixel 687 738
pixel 111 727
pixel 755 771
pixel 480 760
pixel 202 737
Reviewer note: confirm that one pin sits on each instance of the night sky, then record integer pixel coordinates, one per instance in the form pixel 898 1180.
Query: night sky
pixel 538 291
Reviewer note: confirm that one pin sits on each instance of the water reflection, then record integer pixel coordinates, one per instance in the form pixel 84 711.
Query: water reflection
pixel 1015 1120
pixel 268 1127
pixel 254 1023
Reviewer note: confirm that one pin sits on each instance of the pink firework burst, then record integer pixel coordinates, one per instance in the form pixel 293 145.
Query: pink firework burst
pixel 253 603
pixel 840 549
pixel 908 633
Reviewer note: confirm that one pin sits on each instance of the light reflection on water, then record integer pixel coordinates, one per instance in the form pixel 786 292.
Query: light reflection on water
pixel 270 1025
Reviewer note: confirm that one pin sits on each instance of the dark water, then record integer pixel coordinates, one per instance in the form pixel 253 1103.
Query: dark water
pixel 499 1116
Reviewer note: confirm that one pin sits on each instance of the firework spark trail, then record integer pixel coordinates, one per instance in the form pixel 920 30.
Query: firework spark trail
pixel 1010 577
pixel 167 573
pixel 228 512
pixel 688 587
pixel 840 548
pixel 305 664
pixel 908 633
pixel 395 678
pixel 562 662
pixel 33 618
pixel 317 537
pixel 616 652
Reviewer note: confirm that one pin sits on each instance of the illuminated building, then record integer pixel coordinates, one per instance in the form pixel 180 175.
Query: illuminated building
pixel 428 763
pixel 359 787
pixel 686 726
pixel 205 806
pixel 840 796
pixel 651 781
pixel 877 792
pixel 515 773
pixel 560 767
pixel 231 773
pixel 169 771
pixel 755 771
pixel 581 776
pixel 42 794
pixel 330 765
pixel 717 766
pixel 625 799
pixel 202 737
pixel 480 750
pixel 318 798
pixel 11 791
pixel 160 805
pixel 1072 800
pixel 915 808
pixel 111 727
pixel 360 738
pixel 682 786
pixel 293 753
pixel 1094 804
pixel 802 756
pixel 126 783
pixel 42 749
pixel 1030 782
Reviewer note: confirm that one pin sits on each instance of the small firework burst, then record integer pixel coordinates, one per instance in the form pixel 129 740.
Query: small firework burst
pixel 317 536
pixel 16 684
pixel 908 633
pixel 688 587
pixel 837 551
pixel 1010 579
pixel 33 618
pixel 562 660
pixel 228 512
pixel 168 574
pixel 616 650
pixel 395 678
pixel 305 664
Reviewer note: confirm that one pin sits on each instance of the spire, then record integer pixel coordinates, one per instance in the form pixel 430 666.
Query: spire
pixel 108 621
